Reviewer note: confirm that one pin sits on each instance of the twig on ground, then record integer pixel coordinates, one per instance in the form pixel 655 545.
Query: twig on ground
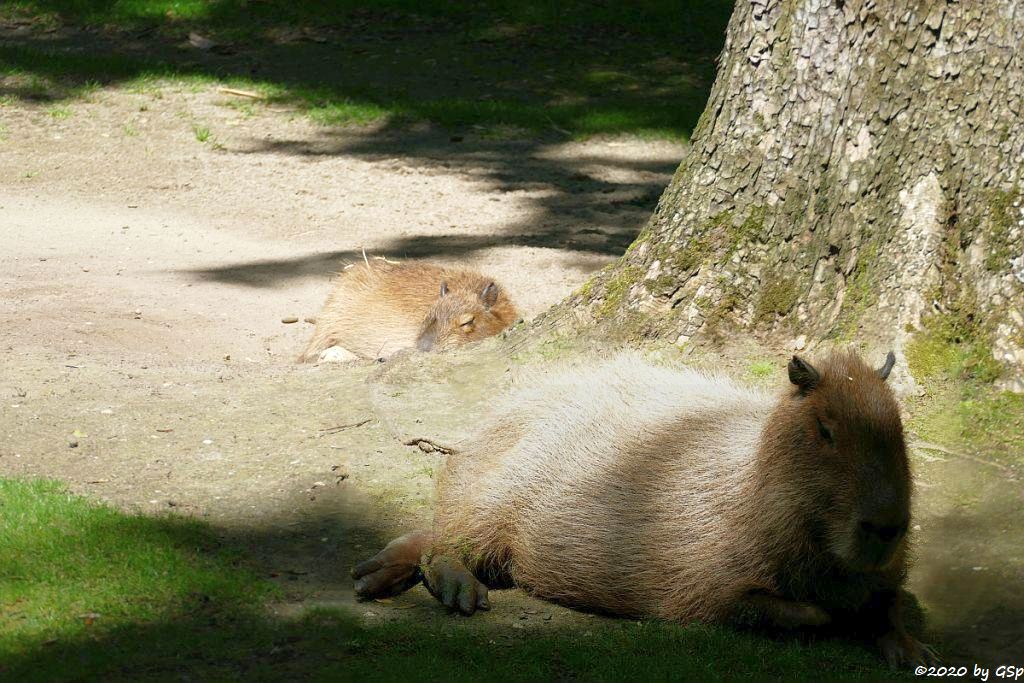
pixel 241 93
pixel 428 446
pixel 341 428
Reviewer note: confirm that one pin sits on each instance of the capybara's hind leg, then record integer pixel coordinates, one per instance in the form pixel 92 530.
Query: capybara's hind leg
pixel 394 569
pixel 450 582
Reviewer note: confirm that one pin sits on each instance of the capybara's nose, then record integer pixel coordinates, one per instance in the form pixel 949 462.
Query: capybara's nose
pixel 886 533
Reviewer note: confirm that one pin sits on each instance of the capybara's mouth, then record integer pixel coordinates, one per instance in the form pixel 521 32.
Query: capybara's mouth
pixel 872 558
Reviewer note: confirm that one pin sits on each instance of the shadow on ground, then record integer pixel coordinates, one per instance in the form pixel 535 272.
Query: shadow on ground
pixel 487 90
pixel 570 209
pixel 216 628
pixel 202 634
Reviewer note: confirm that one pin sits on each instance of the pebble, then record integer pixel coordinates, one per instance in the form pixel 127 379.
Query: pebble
pixel 207 442
pixel 310 320
pixel 72 444
pixel 289 320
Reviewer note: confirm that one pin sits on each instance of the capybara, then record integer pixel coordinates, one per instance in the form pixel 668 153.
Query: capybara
pixel 379 307
pixel 639 490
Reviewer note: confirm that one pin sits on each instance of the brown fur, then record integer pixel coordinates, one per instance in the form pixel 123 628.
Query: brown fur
pixel 378 307
pixel 649 492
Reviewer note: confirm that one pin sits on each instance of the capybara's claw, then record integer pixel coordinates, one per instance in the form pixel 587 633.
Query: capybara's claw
pixel 455 586
pixel 902 650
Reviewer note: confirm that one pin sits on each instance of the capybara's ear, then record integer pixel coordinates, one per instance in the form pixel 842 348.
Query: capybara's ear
pixel 890 360
pixel 490 295
pixel 803 374
pixel 444 288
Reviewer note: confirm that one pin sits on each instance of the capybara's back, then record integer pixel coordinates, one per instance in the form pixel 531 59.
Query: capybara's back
pixel 613 469
pixel 379 307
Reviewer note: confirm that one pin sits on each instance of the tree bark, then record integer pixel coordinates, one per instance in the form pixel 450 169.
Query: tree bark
pixel 857 172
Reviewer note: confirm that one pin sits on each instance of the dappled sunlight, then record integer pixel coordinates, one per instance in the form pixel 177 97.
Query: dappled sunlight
pixel 572 69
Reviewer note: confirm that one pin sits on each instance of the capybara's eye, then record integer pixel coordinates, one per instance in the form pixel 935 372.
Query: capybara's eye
pixel 825 432
pixel 466 320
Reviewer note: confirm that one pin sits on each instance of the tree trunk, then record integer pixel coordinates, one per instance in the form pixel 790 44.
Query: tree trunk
pixel 857 176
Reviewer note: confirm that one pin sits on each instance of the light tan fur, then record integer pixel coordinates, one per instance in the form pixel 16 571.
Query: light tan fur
pixel 646 491
pixel 378 307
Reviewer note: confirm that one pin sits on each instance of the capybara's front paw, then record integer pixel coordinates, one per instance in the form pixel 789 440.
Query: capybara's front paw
pixel 455 586
pixel 393 570
pixel 902 650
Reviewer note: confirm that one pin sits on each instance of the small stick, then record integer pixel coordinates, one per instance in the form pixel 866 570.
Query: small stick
pixel 241 93
pixel 444 450
pixel 340 428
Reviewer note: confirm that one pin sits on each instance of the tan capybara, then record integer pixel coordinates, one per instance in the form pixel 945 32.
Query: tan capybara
pixel 639 490
pixel 379 307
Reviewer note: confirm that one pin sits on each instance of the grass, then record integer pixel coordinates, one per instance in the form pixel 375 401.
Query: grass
pixel 573 69
pixel 59 112
pixel 73 572
pixel 762 369
pixel 90 593
pixel 201 132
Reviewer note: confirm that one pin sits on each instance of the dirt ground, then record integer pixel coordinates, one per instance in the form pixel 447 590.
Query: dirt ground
pixel 144 276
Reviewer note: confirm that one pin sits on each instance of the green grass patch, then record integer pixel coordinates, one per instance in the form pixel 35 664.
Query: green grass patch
pixel 572 69
pixel 762 369
pixel 202 133
pixel 73 572
pixel 90 593
pixel 59 112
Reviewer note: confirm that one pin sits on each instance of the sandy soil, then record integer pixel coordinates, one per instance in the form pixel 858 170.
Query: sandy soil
pixel 144 275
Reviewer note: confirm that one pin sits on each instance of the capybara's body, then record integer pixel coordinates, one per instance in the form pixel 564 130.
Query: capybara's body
pixel 635 489
pixel 618 488
pixel 645 491
pixel 377 308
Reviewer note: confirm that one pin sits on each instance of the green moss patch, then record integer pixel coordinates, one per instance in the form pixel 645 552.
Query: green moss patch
pixel 616 288
pixel 1002 216
pixel 778 297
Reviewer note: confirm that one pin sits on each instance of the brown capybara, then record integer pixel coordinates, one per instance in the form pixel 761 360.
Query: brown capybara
pixel 645 491
pixel 379 307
